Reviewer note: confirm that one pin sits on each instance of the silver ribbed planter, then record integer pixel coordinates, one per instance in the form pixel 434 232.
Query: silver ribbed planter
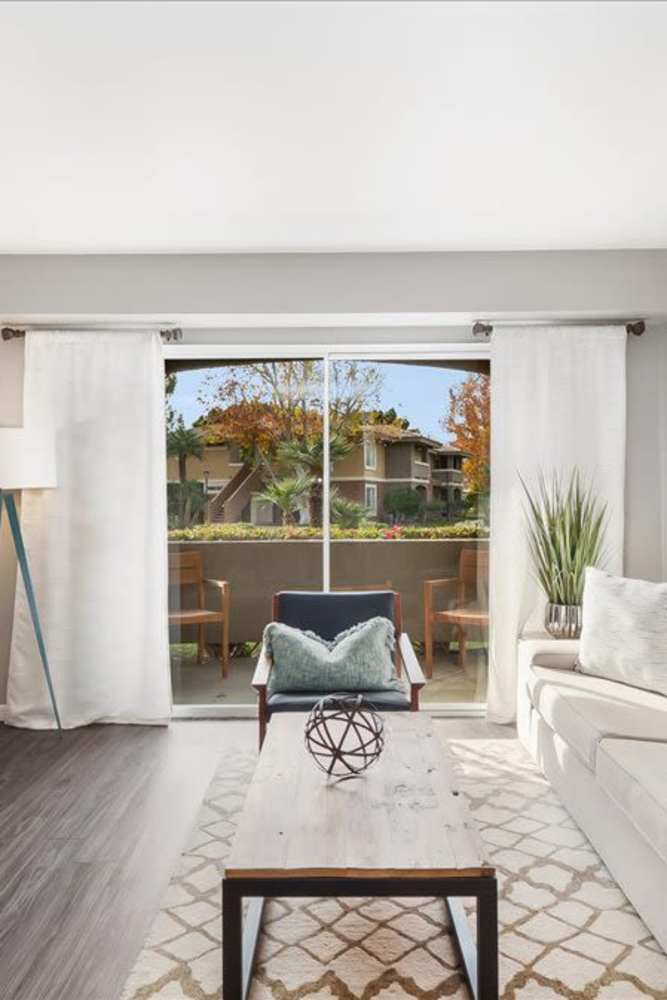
pixel 563 621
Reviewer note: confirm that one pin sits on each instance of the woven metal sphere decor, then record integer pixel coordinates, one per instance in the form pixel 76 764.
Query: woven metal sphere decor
pixel 344 735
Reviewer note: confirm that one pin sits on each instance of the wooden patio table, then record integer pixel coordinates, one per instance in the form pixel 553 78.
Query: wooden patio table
pixel 400 830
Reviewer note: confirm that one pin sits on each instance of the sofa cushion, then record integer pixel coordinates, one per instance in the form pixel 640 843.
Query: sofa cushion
pixel 303 701
pixel 624 635
pixel 358 659
pixel 584 710
pixel 634 774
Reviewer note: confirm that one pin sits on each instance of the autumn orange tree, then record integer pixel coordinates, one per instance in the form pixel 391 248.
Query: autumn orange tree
pixel 469 424
pixel 258 427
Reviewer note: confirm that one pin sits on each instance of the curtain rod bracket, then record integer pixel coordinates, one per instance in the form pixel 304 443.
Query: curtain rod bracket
pixel 636 328
pixel 481 329
pixel 172 336
pixel 9 333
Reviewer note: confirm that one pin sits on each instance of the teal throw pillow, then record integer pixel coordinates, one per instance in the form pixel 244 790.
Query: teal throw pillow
pixel 359 659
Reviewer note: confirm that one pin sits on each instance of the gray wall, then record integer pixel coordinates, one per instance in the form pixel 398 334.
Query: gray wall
pixel 583 282
pixel 175 286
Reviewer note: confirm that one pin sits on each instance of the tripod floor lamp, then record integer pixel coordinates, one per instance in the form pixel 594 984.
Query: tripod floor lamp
pixel 27 462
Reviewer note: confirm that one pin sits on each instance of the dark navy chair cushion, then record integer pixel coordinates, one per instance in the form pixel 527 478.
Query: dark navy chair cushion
pixel 303 701
pixel 329 614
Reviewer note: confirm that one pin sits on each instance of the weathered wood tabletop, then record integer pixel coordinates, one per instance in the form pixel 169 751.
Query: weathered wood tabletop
pixel 402 819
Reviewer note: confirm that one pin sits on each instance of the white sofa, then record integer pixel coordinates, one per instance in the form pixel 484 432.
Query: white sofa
pixel 603 747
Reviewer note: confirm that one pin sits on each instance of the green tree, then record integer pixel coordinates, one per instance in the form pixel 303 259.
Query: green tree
pixel 403 503
pixel 345 512
pixel 287 494
pixel 309 455
pixel 183 443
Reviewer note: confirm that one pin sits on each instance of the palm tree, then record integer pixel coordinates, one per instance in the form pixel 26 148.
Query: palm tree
pixel 287 494
pixel 346 513
pixel 309 455
pixel 184 443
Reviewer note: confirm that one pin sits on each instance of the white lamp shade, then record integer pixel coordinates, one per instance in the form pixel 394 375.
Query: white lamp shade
pixel 27 458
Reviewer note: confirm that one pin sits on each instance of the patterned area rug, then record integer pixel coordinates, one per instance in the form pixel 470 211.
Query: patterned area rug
pixel 566 929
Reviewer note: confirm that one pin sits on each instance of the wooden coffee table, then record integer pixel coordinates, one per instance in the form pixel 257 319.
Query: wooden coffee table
pixel 400 830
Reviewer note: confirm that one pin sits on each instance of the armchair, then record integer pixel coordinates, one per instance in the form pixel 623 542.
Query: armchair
pixel 328 614
pixel 186 569
pixel 464 611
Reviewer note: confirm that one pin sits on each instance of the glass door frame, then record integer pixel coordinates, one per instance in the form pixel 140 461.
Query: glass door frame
pixel 328 354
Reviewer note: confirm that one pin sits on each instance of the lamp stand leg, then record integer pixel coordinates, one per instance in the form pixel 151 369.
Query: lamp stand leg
pixel 22 558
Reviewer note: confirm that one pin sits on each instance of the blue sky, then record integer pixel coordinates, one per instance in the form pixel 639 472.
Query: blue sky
pixel 417 392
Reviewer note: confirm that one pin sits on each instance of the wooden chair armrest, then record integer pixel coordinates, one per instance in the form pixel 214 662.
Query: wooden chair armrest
pixel 447 581
pixel 413 670
pixel 220 584
pixel 260 678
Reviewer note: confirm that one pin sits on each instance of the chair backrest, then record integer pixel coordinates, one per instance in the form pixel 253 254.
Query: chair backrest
pixel 327 614
pixel 473 571
pixel 185 568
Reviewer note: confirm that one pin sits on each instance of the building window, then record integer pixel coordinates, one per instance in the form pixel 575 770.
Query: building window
pixel 370 453
pixel 261 511
pixel 371 498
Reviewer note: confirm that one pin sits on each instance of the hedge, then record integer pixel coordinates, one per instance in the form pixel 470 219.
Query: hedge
pixel 241 532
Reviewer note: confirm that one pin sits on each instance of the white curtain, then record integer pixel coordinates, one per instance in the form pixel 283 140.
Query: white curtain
pixel 557 401
pixel 97 544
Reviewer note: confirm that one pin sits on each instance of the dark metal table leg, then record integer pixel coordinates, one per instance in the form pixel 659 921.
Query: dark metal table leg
pixel 232 941
pixel 480 963
pixel 487 941
pixel 251 931
pixel 464 942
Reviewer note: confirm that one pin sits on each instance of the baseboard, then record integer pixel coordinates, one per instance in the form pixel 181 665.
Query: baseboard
pixel 452 710
pixel 214 712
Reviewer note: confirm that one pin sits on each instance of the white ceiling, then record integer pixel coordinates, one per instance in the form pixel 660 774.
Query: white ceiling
pixel 332 126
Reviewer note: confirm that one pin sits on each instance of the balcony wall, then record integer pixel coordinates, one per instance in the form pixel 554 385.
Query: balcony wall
pixel 256 569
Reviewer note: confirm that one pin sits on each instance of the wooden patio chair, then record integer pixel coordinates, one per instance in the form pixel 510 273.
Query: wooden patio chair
pixel 328 614
pixel 186 570
pixel 464 612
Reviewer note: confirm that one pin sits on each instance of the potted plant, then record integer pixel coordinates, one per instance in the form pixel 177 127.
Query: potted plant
pixel 566 525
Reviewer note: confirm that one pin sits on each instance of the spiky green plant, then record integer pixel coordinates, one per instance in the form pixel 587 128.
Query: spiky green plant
pixel 566 526
pixel 287 494
pixel 346 513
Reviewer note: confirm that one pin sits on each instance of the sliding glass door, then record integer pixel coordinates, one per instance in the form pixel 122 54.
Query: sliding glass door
pixel 331 472
pixel 409 509
pixel 244 482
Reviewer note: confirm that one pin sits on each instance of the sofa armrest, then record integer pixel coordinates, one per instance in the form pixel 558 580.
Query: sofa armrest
pixel 539 649
pixel 555 661
pixel 412 668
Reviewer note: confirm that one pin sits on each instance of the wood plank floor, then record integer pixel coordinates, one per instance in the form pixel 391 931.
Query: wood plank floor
pixel 90 830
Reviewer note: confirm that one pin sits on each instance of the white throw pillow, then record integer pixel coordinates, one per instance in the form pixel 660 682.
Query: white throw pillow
pixel 624 633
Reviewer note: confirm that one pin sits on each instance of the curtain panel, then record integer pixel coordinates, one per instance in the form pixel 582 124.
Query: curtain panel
pixel 558 401
pixel 97 544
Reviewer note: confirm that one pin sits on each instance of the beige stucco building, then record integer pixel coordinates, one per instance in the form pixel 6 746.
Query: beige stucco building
pixel 376 465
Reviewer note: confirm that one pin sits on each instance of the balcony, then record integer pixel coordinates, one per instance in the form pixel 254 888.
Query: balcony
pixel 447 477
pixel 256 569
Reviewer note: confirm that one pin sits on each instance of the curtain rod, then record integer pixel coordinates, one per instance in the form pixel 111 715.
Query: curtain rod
pixel 484 329
pixel 170 336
